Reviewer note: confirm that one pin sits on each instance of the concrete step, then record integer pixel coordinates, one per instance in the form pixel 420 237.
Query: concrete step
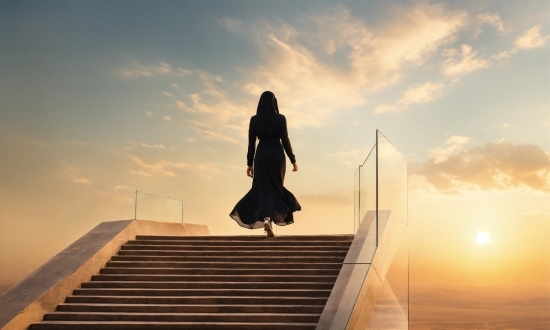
pixel 348 238
pixel 205 300
pixel 238 265
pixel 209 284
pixel 243 247
pixel 237 259
pixel 339 252
pixel 140 325
pixel 203 292
pixel 218 271
pixel 245 278
pixel 158 308
pixel 183 317
pixel 249 244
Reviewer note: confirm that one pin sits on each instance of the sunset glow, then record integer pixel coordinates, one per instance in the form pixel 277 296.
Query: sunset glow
pixel 482 238
pixel 101 98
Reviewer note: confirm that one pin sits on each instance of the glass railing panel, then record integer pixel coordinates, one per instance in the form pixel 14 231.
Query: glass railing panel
pixel 356 196
pixel 392 179
pixel 150 206
pixel 365 188
pixel 377 262
pixel 391 309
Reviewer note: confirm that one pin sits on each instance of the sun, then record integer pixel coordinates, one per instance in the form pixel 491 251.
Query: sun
pixel 483 238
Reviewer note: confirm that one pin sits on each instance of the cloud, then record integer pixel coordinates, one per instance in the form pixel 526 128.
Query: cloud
pixel 530 39
pixel 340 60
pixel 216 111
pixel 168 94
pixel 206 170
pixel 497 166
pixel 454 144
pixel 136 69
pixel 421 93
pixel 491 19
pixel 160 168
pixel 123 188
pixel 209 135
pixel 461 62
pixel 155 146
pixel 183 72
pixel 416 94
pixel 176 86
pixel 231 24
pixel 167 118
pixel 148 113
pixel 73 173
pixel 500 56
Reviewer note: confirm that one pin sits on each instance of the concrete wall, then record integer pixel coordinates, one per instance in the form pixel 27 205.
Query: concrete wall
pixel 48 286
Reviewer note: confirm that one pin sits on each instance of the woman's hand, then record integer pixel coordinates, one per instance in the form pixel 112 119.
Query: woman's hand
pixel 250 171
pixel 294 167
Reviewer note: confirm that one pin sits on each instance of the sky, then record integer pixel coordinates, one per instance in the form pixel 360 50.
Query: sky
pixel 100 98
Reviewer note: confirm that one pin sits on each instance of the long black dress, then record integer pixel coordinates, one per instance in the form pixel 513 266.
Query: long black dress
pixel 267 197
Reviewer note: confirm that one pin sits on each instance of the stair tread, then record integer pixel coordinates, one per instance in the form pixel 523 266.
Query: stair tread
pixel 178 305
pixel 208 282
pixel 183 314
pixel 175 323
pixel 146 322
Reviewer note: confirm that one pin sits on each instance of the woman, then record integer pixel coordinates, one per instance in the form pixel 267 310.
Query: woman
pixel 267 201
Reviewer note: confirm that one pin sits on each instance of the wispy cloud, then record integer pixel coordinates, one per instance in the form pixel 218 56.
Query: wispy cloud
pixel 416 94
pixel 493 20
pixel 209 135
pixel 315 86
pixel 215 111
pixel 231 24
pixel 155 146
pixel 148 113
pixel 207 170
pixel 136 69
pixel 123 188
pixel 531 38
pixel 460 62
pixel 73 173
pixel 168 94
pixel 160 168
pixel 167 118
pixel 492 166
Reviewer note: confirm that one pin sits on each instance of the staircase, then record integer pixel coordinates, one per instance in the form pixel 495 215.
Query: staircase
pixel 208 282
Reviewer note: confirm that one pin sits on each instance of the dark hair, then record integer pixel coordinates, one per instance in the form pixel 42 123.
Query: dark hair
pixel 267 112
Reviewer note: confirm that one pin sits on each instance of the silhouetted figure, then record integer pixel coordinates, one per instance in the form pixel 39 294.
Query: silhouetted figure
pixel 267 201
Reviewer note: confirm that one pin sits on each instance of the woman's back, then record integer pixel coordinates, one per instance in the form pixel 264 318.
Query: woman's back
pixel 268 200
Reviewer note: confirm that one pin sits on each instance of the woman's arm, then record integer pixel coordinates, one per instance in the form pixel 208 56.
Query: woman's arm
pixel 251 144
pixel 286 143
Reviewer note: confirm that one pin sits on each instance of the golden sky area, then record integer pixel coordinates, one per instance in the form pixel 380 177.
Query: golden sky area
pixel 97 100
